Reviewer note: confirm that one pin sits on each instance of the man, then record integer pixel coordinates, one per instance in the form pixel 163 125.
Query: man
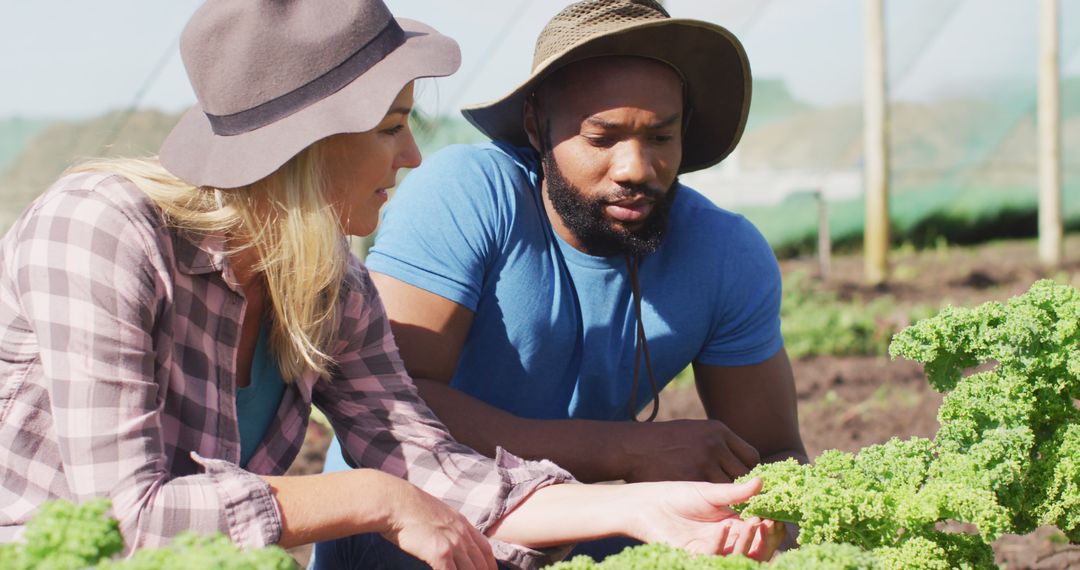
pixel 544 287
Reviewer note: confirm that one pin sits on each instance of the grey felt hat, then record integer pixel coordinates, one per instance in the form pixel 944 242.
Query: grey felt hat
pixel 274 76
pixel 709 58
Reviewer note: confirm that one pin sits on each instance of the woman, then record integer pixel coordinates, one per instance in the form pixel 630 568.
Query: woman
pixel 167 326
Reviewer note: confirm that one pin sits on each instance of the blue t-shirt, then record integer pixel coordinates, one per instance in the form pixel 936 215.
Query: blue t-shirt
pixel 553 329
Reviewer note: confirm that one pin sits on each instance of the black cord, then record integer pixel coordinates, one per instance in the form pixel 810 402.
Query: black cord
pixel 641 347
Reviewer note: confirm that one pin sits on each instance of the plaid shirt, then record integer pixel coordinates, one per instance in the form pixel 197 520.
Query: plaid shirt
pixel 118 348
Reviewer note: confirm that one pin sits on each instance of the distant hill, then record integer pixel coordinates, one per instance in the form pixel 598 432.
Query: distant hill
pixel 771 101
pixel 64 143
pixel 981 141
pixel 15 132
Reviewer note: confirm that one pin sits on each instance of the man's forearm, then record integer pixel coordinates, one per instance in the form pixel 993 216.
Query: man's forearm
pixel 583 447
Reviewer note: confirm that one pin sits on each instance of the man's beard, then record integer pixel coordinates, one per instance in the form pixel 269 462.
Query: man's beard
pixel 596 233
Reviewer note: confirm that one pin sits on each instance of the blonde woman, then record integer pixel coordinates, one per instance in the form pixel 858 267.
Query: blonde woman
pixel 165 327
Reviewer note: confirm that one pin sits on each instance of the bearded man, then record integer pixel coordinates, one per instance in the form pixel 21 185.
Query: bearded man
pixel 545 286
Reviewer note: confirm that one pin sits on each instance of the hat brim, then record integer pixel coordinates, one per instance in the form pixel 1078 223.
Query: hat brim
pixel 708 56
pixel 195 154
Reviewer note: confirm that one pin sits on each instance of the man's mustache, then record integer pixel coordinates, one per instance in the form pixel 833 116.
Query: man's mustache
pixel 629 191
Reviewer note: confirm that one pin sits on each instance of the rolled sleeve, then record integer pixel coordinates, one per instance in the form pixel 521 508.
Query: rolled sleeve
pixel 383 424
pixel 251 512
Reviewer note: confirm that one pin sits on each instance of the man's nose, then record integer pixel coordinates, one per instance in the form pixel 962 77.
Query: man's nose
pixel 631 164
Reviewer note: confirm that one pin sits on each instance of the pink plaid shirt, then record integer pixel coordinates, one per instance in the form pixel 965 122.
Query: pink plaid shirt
pixel 118 347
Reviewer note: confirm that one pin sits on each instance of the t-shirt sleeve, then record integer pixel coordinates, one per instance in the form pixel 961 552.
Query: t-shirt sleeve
pixel 444 222
pixel 746 325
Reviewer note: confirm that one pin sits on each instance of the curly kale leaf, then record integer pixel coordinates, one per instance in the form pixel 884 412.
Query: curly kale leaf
pixel 658 557
pixel 65 535
pixel 826 556
pixel 189 550
pixel 1058 481
pixel 844 497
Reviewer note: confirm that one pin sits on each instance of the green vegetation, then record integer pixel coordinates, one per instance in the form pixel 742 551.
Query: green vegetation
pixel 830 556
pixel 920 217
pixel 1006 458
pixel 64 536
pixel 816 322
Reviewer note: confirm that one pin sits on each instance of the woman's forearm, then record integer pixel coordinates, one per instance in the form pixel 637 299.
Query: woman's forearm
pixel 332 505
pixel 561 514
pixel 691 515
pixel 335 505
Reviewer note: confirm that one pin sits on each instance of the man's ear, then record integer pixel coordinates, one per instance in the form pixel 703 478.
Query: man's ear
pixel 530 124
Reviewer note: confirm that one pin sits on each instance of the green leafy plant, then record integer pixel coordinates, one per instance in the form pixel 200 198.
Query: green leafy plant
pixel 64 536
pixel 830 556
pixel 1006 458
pixel 816 322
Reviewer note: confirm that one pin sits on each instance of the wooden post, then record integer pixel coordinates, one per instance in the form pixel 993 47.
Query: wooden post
pixel 875 146
pixel 824 239
pixel 1050 218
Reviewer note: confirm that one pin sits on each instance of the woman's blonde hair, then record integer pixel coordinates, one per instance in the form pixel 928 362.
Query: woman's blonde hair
pixel 287 219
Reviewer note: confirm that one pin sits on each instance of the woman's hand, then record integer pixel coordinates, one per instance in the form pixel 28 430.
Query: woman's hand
pixel 316 508
pixel 697 517
pixel 430 530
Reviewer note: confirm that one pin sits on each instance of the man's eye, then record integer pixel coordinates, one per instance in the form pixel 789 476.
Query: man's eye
pixel 600 141
pixel 662 139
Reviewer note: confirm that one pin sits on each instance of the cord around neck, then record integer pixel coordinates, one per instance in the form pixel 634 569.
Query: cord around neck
pixel 641 346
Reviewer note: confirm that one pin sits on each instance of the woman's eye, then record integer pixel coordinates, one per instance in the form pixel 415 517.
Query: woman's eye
pixel 394 130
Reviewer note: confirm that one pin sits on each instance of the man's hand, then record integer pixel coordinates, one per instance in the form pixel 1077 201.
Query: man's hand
pixel 685 450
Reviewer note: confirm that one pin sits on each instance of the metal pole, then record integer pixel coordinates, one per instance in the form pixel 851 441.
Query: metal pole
pixel 1050 218
pixel 824 242
pixel 875 141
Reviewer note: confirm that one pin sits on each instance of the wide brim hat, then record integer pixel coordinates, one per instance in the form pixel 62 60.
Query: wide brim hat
pixel 272 78
pixel 710 59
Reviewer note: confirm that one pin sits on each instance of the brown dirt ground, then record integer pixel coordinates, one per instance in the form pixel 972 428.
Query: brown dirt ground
pixel 850 402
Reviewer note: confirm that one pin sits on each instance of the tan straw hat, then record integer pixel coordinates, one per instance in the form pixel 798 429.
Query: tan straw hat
pixel 709 58
pixel 274 76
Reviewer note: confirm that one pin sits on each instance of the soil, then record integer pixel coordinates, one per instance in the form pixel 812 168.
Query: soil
pixel 848 403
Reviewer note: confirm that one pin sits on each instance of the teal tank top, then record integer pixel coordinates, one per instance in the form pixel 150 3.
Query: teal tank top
pixel 258 402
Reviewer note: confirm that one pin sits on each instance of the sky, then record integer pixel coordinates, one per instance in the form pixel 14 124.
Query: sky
pixel 73 58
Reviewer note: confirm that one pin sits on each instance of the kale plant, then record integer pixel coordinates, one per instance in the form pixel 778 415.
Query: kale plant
pixel 1006 458
pixel 64 536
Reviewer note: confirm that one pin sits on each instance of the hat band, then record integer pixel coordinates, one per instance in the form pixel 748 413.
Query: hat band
pixel 390 38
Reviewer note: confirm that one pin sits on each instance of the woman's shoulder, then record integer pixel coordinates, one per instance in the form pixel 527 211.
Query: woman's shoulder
pixel 357 280
pixel 94 215
pixel 96 196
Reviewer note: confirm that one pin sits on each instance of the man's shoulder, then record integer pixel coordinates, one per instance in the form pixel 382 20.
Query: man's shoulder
pixel 696 221
pixel 491 159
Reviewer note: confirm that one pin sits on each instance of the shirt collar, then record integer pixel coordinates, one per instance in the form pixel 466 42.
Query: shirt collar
pixel 197 254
